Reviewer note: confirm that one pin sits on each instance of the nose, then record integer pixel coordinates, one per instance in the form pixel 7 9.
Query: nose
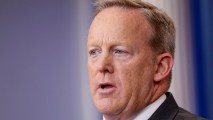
pixel 105 64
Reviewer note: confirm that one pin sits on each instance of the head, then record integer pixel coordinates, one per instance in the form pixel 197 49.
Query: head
pixel 130 56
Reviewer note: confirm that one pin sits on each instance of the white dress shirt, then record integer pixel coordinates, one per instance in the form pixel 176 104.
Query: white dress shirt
pixel 147 112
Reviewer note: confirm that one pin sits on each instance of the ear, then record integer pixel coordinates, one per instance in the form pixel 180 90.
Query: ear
pixel 164 63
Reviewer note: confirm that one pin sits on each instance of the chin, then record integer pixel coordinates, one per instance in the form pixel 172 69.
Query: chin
pixel 107 108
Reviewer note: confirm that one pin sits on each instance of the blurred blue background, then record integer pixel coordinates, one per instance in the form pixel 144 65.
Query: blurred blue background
pixel 202 36
pixel 43 71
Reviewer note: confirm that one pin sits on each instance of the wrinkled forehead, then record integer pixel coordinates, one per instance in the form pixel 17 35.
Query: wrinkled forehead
pixel 117 21
pixel 127 16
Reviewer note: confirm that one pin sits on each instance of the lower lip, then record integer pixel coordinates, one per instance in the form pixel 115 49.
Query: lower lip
pixel 106 91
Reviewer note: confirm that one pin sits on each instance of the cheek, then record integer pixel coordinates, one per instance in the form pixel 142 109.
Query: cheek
pixel 127 79
pixel 91 77
pixel 89 67
pixel 91 71
pixel 135 78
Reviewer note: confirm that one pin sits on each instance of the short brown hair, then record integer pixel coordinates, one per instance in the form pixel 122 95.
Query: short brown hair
pixel 163 29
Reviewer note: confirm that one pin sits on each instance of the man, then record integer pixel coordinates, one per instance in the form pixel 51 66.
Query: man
pixel 130 56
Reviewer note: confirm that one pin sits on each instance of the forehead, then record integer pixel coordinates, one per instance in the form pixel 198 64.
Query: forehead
pixel 122 23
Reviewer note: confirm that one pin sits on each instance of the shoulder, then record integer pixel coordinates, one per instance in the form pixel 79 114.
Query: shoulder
pixel 169 110
pixel 183 114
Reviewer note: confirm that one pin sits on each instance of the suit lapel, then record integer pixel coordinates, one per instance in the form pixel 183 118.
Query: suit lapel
pixel 167 110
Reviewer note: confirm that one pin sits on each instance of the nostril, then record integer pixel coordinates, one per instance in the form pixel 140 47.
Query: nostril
pixel 105 68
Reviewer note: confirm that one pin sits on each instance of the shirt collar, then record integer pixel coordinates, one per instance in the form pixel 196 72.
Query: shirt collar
pixel 147 112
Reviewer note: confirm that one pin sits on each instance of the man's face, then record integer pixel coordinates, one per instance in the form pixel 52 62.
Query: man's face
pixel 120 62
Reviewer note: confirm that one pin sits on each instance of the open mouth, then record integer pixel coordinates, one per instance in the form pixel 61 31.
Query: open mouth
pixel 106 86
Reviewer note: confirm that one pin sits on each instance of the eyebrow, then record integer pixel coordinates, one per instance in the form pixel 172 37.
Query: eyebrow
pixel 112 45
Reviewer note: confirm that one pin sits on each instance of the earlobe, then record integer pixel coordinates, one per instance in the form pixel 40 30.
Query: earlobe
pixel 164 63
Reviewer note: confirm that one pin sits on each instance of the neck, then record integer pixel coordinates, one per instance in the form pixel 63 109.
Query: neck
pixel 126 114
pixel 130 113
pixel 117 117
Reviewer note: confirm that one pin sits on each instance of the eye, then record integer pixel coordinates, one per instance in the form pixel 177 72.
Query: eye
pixel 94 52
pixel 118 51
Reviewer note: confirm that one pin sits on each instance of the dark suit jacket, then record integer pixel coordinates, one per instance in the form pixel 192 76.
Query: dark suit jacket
pixel 169 110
